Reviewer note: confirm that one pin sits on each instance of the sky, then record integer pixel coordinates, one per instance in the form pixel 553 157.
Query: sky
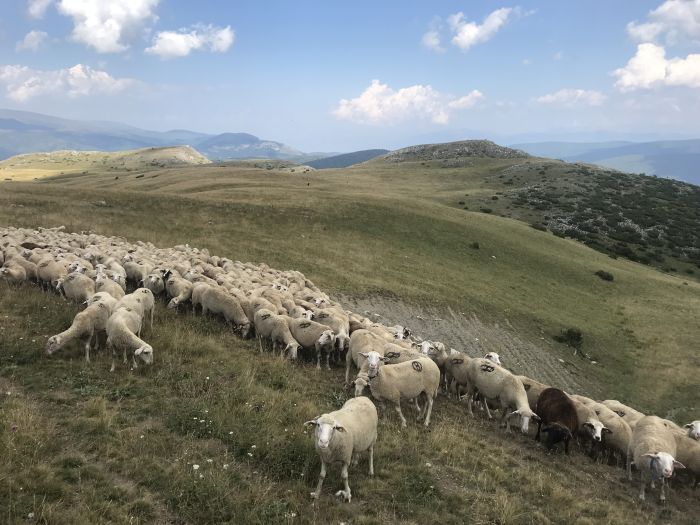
pixel 339 76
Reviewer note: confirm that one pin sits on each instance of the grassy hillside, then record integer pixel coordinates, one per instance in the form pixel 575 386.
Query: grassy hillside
pixel 347 159
pixel 31 166
pixel 385 232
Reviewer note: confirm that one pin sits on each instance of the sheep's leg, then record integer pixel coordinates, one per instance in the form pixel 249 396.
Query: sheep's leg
pixel 486 407
pixel 260 345
pixel 152 317
pixel 397 407
pixel 566 445
pixel 662 498
pixel 643 485
pixel 114 355
pixel 347 369
pixel 537 436
pixel 355 459
pixel 321 477
pixel 318 357
pixel 328 357
pixel 88 343
pixel 344 475
pixel 417 407
pixel 371 460
pixel 428 410
pixel 134 364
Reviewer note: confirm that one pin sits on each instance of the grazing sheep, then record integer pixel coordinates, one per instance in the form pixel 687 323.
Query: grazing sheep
pixel 310 334
pixel 274 327
pixel 338 321
pixel 154 282
pixel 688 453
pixel 653 450
pixel 104 298
pixel 616 434
pixel 362 341
pixel 497 383
pixel 179 289
pixel 76 287
pixel 404 381
pixel 557 417
pixel 533 389
pixel 49 272
pixel 589 426
pixel 29 267
pixel 456 371
pixel 217 301
pixel 122 327
pixel 105 284
pixel 493 356
pixel 85 326
pixel 13 274
pixel 629 414
pixel 341 435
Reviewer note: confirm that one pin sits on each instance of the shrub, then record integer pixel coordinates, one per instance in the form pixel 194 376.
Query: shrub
pixel 571 337
pixel 494 198
pixel 461 203
pixel 538 226
pixel 606 276
pixel 474 246
pixel 486 210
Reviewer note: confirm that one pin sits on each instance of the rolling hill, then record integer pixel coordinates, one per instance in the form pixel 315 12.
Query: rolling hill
pixel 676 159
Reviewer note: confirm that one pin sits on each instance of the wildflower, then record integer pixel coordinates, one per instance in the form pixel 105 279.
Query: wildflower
pixel 210 460
pixel 253 446
pixel 201 476
pixel 141 436
pixel 195 466
pixel 250 454
pixel 225 465
pixel 14 428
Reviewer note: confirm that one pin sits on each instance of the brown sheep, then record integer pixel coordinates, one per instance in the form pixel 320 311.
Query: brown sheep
pixel 558 415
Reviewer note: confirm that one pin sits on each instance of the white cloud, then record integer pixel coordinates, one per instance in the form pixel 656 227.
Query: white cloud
pixel 37 8
pixel 675 19
pixel 572 97
pixel 558 55
pixel 108 25
pixel 22 83
pixel 171 44
pixel 431 40
pixel 32 41
pixel 468 34
pixel 379 104
pixel 649 68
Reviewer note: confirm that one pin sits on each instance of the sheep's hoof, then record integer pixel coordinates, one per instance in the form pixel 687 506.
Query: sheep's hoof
pixel 344 495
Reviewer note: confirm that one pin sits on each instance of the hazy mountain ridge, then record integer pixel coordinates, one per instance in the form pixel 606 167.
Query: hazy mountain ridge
pixel 677 159
pixel 347 159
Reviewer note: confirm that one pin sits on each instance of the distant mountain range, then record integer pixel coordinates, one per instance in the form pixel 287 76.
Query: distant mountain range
pixel 346 159
pixel 26 132
pixel 676 159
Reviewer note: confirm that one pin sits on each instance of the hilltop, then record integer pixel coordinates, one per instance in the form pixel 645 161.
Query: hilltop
pixel 454 151
pixel 38 165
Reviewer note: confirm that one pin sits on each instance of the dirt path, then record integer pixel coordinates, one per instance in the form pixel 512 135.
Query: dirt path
pixel 465 332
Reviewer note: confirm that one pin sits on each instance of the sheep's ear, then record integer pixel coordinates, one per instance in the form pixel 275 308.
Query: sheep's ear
pixel 689 425
pixel 364 354
pixel 678 464
pixel 649 455
pixel 535 417
pixel 606 430
pixel 139 351
pixel 342 429
pixel 587 424
pixel 312 422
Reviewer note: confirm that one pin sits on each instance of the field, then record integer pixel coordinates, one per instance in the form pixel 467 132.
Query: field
pixel 93 447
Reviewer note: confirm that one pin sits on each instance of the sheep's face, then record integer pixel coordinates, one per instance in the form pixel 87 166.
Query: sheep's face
pixel 595 429
pixel 145 353
pixel 493 356
pixel 427 348
pixel 292 350
pixel 308 314
pixel 325 429
pixel 662 464
pixel 694 430
pixel 360 384
pixel 525 416
pixel 53 344
pixel 374 361
pixel 557 432
pixel 174 302
pixel 327 338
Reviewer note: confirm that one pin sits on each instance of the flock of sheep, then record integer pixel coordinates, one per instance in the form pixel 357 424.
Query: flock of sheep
pixel 290 315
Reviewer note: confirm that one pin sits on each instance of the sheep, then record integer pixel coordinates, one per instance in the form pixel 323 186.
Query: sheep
pixel 29 267
pixel 533 389
pixel 76 287
pixel 629 414
pixel 456 370
pixel 688 453
pixel 338 321
pixel 652 449
pixel 275 328
pixel 196 297
pixel 493 356
pixel 105 284
pixel 495 382
pixel 341 435
pixel 693 429
pixel 310 334
pixel 13 274
pixel 154 282
pixel 179 289
pixel 122 327
pixel 217 301
pixel 105 298
pixel 361 341
pixel 256 303
pixel 407 380
pixel 558 415
pixel 618 435
pixel 84 327
pixel 48 273
pixel 589 426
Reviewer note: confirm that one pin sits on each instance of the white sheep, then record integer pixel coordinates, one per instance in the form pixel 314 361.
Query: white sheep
pixel 217 301
pixel 533 389
pixel 274 327
pixel 122 327
pixel 362 341
pixel 105 284
pixel 619 434
pixel 652 450
pixel 629 414
pixel 341 435
pixel 338 321
pixel 496 383
pixel 76 287
pixel 85 326
pixel 310 334
pixel 589 426
pixel 404 381
pixel 688 453
pixel 693 429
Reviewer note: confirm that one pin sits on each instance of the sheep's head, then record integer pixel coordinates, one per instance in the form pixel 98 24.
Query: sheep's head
pixel 374 361
pixel 557 432
pixel 308 314
pixel 145 353
pixel 694 430
pixel 359 384
pixel 292 350
pixel 245 330
pixel 325 428
pixel 59 283
pixel 662 464
pixel 327 338
pixel 525 416
pixel 493 356
pixel 427 348
pixel 53 344
pixel 595 429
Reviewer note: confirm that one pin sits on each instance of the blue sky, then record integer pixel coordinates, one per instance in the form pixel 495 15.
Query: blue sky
pixel 338 76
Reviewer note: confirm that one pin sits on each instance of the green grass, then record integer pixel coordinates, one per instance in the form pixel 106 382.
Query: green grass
pixel 374 230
